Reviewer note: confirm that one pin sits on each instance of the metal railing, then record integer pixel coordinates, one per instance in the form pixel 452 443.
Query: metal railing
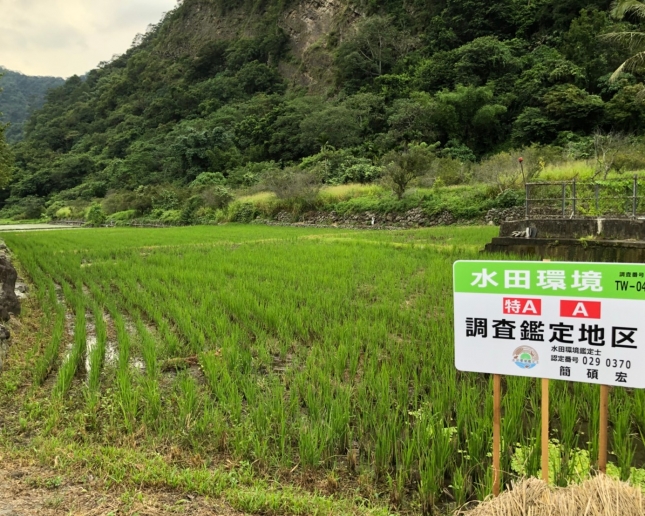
pixel 573 199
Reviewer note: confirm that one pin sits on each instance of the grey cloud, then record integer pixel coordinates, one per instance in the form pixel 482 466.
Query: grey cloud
pixel 66 37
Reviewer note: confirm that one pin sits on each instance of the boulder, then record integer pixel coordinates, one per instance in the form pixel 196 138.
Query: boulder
pixel 9 303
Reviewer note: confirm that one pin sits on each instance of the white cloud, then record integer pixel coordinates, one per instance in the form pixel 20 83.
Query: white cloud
pixel 67 37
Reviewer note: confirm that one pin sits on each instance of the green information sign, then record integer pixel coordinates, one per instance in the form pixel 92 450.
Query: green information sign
pixel 581 322
pixel 591 280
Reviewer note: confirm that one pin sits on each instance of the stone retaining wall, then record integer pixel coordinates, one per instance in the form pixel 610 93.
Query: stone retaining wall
pixel 414 218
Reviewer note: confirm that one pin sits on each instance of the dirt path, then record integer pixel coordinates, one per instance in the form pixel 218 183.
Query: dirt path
pixel 34 491
pixel 34 227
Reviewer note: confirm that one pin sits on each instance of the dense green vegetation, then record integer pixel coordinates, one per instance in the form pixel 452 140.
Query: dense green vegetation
pixel 6 158
pixel 204 99
pixel 321 358
pixel 20 96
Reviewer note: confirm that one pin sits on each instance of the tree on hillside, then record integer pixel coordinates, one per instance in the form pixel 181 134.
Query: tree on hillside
pixel 403 168
pixel 6 158
pixel 372 51
pixel 634 40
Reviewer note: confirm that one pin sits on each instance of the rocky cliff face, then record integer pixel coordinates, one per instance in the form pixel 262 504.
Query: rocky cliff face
pixel 313 27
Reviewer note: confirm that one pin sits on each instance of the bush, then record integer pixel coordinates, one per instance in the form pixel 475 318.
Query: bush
pixel 166 199
pixel 452 171
pixel 63 213
pixel 242 212
pixel 510 199
pixel 337 167
pixel 116 202
pixel 86 191
pixel 629 156
pixel 188 212
pixel 501 170
pixel 250 174
pixel 402 169
pixel 170 216
pixel 208 179
pixel 361 173
pixel 33 207
pixel 122 216
pixel 95 215
pixel 291 184
pixel 54 207
pixel 217 197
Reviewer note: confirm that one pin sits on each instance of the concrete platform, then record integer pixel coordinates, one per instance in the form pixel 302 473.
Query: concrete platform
pixel 607 229
pixel 571 249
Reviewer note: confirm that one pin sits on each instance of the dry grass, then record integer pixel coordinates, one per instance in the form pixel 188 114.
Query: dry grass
pixel 344 192
pixel 260 197
pixel 600 496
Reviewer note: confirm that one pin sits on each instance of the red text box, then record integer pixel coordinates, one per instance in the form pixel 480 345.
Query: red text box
pixel 521 306
pixel 580 309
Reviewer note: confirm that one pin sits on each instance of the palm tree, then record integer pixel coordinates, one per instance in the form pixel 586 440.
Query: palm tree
pixel 635 41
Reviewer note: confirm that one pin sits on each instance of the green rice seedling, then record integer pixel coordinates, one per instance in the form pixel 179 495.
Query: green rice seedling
pixel 127 394
pixel 189 404
pixel 568 414
pixel 406 454
pixel 461 484
pixel 339 421
pixel 310 445
pixel 150 386
pixel 484 488
pixel 386 435
pixel 591 438
pixel 639 410
pixel 75 356
pixel 435 449
pixel 623 443
pixel 46 361
pixel 97 354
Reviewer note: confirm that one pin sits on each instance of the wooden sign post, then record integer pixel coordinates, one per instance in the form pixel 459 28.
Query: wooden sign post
pixel 545 430
pixel 604 426
pixel 579 322
pixel 497 433
pixel 545 425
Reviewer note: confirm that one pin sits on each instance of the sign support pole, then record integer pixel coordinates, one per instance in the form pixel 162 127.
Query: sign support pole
pixel 545 430
pixel 545 423
pixel 604 427
pixel 497 430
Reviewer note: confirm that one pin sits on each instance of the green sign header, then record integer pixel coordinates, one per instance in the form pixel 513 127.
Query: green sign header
pixel 570 279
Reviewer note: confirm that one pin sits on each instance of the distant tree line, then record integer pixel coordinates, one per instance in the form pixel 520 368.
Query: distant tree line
pixel 20 96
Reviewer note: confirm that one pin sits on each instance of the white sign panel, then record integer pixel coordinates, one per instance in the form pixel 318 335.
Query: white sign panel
pixel 582 322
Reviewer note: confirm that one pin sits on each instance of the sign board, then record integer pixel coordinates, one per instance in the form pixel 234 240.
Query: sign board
pixel 582 322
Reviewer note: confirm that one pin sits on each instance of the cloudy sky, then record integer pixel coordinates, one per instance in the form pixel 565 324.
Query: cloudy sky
pixel 66 37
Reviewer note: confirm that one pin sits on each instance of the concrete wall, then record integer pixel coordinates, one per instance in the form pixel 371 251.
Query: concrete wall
pixel 571 249
pixel 607 229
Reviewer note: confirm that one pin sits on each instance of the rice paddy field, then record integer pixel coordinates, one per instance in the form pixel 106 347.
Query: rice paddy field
pixel 286 370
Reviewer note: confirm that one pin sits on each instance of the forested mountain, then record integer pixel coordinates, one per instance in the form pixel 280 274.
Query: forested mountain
pixel 20 95
pixel 239 87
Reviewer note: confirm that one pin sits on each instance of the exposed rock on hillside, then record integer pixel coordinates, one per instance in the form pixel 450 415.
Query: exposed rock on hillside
pixel 9 303
pixel 309 25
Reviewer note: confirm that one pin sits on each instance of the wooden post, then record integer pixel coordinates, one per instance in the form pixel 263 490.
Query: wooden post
pixel 497 430
pixel 545 430
pixel 545 424
pixel 604 428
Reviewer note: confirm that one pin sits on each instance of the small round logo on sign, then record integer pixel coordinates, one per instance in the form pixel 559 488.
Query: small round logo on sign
pixel 525 357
